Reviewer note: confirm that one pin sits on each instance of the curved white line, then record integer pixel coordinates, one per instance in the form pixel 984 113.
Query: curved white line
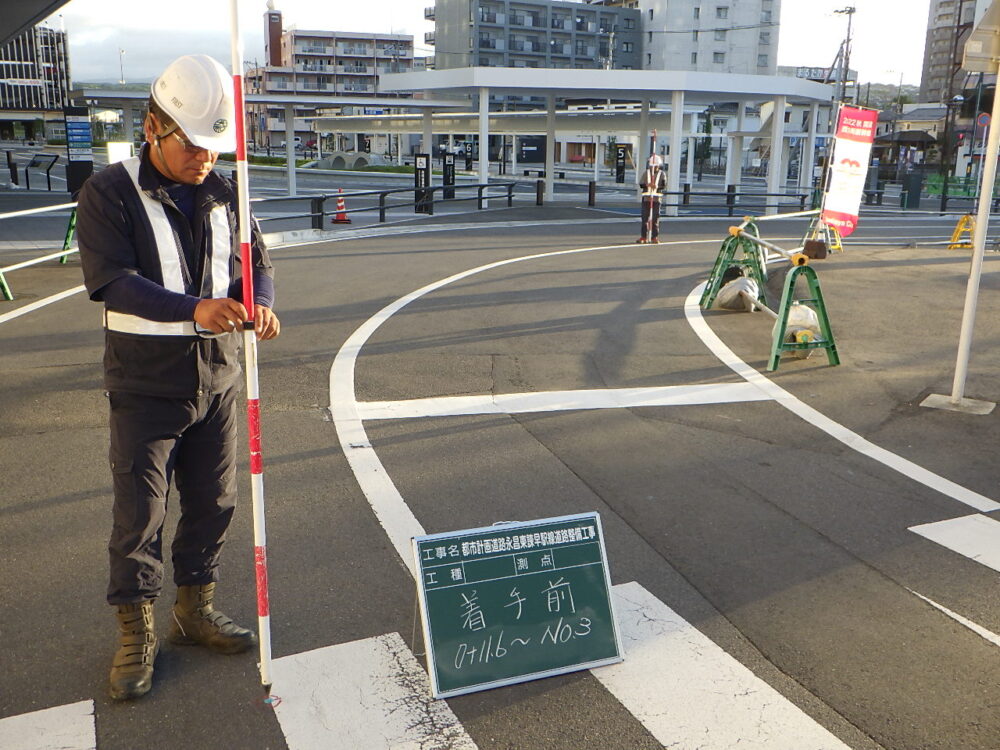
pixel 852 440
pixel 391 510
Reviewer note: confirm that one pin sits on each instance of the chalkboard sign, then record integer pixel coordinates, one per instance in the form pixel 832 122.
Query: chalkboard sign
pixel 515 602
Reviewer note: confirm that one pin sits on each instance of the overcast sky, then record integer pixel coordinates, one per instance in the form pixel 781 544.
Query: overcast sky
pixel 888 34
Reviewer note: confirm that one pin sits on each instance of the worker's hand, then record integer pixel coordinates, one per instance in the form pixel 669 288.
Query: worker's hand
pixel 265 322
pixel 220 315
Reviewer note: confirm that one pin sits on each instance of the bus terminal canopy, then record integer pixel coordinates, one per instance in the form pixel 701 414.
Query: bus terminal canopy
pixel 680 88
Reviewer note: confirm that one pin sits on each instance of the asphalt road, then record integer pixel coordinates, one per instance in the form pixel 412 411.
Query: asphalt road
pixel 786 547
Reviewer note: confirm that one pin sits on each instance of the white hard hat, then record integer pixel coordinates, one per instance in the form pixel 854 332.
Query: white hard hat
pixel 197 93
pixel 655 160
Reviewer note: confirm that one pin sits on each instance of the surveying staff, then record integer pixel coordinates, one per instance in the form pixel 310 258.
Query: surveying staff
pixel 159 245
pixel 653 182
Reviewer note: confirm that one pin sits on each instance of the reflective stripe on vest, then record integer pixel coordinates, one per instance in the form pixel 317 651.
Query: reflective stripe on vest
pixel 652 184
pixel 169 253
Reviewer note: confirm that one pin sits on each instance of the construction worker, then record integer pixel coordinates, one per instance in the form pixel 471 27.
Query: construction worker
pixel 653 182
pixel 159 244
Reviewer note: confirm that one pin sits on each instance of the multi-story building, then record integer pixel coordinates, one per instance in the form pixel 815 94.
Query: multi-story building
pixel 326 63
pixel 34 84
pixel 949 23
pixel 533 34
pixel 714 36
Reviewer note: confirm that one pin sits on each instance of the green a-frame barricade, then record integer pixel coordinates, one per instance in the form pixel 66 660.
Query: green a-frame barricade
pixel 750 259
pixel 815 301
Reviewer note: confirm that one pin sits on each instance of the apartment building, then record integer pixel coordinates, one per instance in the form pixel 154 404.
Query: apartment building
pixel 949 23
pixel 328 63
pixel 34 84
pixel 533 34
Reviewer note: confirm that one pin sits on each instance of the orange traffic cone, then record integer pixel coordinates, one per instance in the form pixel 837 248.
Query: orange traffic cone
pixel 341 217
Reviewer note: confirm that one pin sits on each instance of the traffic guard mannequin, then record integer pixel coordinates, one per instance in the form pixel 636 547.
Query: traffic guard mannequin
pixel 653 182
pixel 159 245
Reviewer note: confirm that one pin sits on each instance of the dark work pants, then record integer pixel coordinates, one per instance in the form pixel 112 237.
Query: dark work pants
pixel 650 212
pixel 154 440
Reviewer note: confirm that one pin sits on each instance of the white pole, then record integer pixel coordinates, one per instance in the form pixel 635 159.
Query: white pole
pixel 250 351
pixel 550 147
pixel 978 248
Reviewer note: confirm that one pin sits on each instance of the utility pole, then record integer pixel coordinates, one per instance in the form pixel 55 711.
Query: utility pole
pixel 845 59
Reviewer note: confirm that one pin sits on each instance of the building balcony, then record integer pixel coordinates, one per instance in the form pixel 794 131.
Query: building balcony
pixel 488 43
pixel 428 37
pixel 315 68
pixel 313 49
pixel 357 88
pixel 355 69
pixel 525 45
pixel 354 51
pixel 429 13
pixel 492 17
pixel 517 19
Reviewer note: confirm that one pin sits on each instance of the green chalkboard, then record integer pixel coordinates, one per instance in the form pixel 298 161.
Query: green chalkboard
pixel 515 602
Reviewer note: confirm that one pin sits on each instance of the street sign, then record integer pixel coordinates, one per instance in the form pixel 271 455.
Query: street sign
pixel 515 602
pixel 79 147
pixel 421 181
pixel 983 120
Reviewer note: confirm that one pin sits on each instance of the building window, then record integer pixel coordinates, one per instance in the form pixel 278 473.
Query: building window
pixel 765 16
pixel 629 23
pixel 765 38
pixel 718 57
pixel 722 12
pixel 694 58
pixel 650 14
pixel 627 46
pixel 761 61
pixel 694 36
pixel 649 59
pixel 720 35
pixel 697 12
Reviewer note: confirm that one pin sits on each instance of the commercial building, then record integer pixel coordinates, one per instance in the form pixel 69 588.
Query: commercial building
pixel 34 84
pixel 314 62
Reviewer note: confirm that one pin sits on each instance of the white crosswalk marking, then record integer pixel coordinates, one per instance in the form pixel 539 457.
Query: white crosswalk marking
pixel 69 727
pixel 976 536
pixel 690 693
pixel 369 694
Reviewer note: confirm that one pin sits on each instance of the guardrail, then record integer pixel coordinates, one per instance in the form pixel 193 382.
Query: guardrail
pixel 423 202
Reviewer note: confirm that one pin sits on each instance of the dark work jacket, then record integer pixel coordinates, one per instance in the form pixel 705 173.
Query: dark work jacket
pixel 116 239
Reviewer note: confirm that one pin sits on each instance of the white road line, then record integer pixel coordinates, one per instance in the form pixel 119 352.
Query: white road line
pixel 851 439
pixel 69 727
pixel 549 401
pixel 976 537
pixel 690 693
pixel 370 694
pixel 979 630
pixel 390 509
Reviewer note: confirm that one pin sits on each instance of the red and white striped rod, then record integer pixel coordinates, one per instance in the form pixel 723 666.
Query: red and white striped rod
pixel 250 351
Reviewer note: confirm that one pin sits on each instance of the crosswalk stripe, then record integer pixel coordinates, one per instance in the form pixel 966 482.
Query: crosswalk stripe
pixel 69 727
pixel 688 692
pixel 976 537
pixel 369 694
pixel 549 401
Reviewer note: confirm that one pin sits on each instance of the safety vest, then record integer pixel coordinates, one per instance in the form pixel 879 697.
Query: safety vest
pixel 171 257
pixel 653 180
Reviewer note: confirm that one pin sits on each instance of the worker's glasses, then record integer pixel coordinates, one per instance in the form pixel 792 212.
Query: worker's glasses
pixel 189 148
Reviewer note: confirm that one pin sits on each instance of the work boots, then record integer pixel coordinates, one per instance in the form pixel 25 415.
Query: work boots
pixel 132 668
pixel 195 621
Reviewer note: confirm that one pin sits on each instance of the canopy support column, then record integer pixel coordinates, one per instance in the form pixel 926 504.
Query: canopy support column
pixel 484 134
pixel 776 165
pixel 674 157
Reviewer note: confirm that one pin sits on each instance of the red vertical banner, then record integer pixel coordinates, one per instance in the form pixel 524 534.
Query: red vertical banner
pixel 849 168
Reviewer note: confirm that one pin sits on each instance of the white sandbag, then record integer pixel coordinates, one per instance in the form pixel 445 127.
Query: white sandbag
pixel 729 297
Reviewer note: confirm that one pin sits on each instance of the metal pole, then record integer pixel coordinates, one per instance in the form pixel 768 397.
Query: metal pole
pixel 978 245
pixel 250 351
